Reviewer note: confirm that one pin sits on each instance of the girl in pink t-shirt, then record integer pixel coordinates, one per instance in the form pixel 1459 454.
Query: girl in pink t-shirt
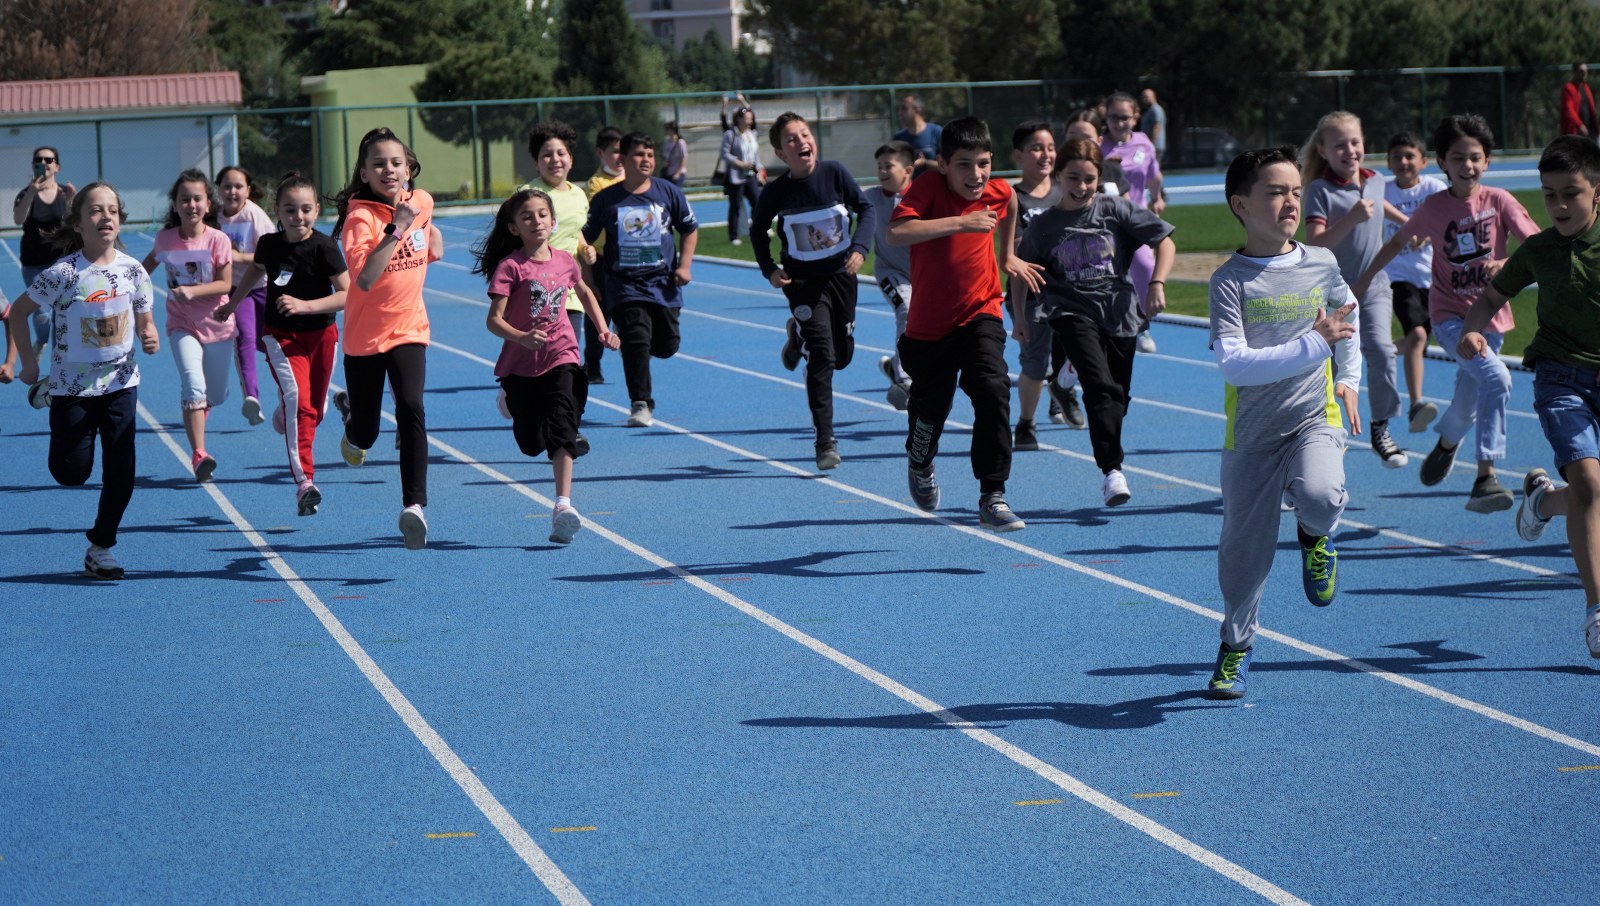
pixel 245 223
pixel 199 262
pixel 539 368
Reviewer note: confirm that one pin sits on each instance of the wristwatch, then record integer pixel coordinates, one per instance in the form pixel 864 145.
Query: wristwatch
pixel 388 229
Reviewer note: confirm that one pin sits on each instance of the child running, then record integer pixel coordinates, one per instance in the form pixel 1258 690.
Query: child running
pixel 955 336
pixel 244 223
pixel 539 366
pixel 386 228
pixel 1345 212
pixel 820 253
pixel 199 262
pixel 892 263
pixel 1140 164
pixel 644 273
pixel 306 281
pixel 98 298
pixel 1468 226
pixel 1411 272
pixel 1564 355
pixel 1279 311
pixel 1085 247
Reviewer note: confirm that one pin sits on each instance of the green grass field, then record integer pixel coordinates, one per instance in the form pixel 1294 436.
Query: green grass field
pixel 1207 228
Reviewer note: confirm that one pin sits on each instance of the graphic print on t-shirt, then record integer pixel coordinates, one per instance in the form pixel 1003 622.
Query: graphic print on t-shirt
pixel 1469 237
pixel 816 235
pixel 187 267
pixel 1085 255
pixel 546 302
pixel 639 232
pixel 105 328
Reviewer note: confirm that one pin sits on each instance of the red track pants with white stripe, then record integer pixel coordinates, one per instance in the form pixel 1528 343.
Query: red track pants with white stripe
pixel 301 362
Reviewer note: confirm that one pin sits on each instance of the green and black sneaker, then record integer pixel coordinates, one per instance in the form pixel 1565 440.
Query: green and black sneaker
pixel 1320 572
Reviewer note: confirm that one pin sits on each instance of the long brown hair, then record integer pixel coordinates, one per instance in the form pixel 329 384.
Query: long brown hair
pixel 380 134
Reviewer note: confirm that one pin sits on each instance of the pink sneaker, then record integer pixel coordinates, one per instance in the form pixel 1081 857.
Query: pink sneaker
pixel 203 465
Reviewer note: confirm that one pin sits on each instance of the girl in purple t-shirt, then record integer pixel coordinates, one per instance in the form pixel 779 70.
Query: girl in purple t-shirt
pixel 1141 168
pixel 539 368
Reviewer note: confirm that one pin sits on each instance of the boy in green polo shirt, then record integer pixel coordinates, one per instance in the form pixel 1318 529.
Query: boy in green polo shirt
pixel 1564 355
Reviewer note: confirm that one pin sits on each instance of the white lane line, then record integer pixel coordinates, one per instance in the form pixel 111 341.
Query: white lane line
pixel 548 873
pixel 1049 772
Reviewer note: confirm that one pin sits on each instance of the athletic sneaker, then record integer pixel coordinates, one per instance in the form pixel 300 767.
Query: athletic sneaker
pixel 642 415
pixel 1388 451
pixel 1071 412
pixel 1591 626
pixel 307 499
pixel 278 423
pixel 564 523
pixel 580 445
pixel 1115 488
pixel 203 465
pixel 1025 437
pixel 995 514
pixel 1488 496
pixel 353 455
pixel 899 395
pixel 414 528
pixel 252 410
pixel 1145 342
pixel 1058 416
pixel 924 488
pixel 39 394
pixel 99 564
pixel 1438 462
pixel 792 345
pixel 341 403
pixel 593 373
pixel 1530 525
pixel 1230 673
pixel 828 454
pixel 1319 572
pixel 736 242
pixel 500 404
pixel 1421 415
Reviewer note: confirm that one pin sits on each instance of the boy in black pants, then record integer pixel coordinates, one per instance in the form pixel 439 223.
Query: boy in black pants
pixel 820 254
pixel 954 335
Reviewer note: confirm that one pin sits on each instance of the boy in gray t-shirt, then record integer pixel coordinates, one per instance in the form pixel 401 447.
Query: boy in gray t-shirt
pixel 892 263
pixel 1279 313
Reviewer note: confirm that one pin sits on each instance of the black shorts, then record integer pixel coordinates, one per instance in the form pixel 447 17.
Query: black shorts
pixel 1411 307
pixel 544 409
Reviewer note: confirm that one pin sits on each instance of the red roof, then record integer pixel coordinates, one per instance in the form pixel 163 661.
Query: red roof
pixel 123 94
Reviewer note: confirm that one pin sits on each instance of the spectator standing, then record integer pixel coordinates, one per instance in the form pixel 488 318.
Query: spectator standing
pixel 1153 123
pixel 40 209
pixel 1577 104
pixel 916 131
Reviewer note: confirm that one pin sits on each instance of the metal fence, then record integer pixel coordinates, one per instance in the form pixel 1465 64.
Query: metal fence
pixel 476 152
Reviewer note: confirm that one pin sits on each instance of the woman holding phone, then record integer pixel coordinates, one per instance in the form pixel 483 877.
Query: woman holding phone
pixel 40 209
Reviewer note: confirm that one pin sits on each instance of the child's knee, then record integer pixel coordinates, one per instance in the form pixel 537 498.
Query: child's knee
pixel 664 347
pixel 70 473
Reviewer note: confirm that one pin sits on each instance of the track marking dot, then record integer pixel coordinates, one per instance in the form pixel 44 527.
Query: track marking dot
pixel 1153 795
pixel 658 582
pixel 269 600
pixel 349 597
pixel 453 835
pixel 1581 767
pixel 1040 802
pixel 569 830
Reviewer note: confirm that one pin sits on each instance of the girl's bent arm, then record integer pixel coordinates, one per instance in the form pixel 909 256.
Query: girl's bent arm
pixel 325 305
pixel 497 324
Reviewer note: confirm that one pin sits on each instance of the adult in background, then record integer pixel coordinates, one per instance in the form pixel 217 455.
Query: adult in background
pixel 675 156
pixel 1577 104
pixel 741 162
pixel 916 131
pixel 40 208
pixel 1153 123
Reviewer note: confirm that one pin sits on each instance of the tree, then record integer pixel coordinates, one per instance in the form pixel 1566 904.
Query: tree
pixel 601 50
pixel 480 73
pixel 707 64
pixel 74 39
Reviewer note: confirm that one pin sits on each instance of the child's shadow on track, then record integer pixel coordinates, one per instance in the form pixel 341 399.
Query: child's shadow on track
pixel 1137 714
pixel 190 525
pixel 1511 589
pixel 1428 657
pixel 803 566
pixel 240 569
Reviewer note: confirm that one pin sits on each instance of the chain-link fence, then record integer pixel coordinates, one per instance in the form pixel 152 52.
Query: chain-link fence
pixel 477 152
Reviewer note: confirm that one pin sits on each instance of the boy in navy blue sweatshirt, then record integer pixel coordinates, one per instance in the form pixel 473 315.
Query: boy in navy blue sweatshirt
pixel 820 255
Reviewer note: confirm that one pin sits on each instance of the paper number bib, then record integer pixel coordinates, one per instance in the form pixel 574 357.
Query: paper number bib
pixel 100 329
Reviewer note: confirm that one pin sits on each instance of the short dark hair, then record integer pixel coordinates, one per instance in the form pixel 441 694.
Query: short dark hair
pixel 1077 149
pixel 1025 131
pixel 606 137
pixel 637 140
pixel 775 134
pixel 1572 154
pixel 1246 169
pixel 1458 126
pixel 965 134
pixel 902 152
pixel 672 126
pixel 1406 139
pixel 553 129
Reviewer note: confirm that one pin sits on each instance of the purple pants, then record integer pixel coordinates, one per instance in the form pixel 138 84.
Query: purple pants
pixel 246 340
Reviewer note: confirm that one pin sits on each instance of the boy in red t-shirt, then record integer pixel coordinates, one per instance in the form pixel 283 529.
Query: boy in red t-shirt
pixel 954 335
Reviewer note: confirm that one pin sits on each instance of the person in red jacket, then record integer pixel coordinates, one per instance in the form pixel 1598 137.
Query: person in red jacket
pixel 1577 104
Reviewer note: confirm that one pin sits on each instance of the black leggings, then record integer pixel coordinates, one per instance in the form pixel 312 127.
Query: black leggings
pixel 646 330
pixel 972 357
pixel 1105 372
pixel 825 309
pixel 406 368
pixel 74 423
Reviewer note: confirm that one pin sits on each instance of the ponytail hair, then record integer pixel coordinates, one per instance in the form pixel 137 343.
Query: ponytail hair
pixel 66 237
pixel 500 242
pixel 294 179
pixel 190 175
pixel 1312 163
pixel 252 191
pixel 380 134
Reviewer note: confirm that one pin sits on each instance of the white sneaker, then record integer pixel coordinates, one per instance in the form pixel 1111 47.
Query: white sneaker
pixel 99 564
pixel 39 394
pixel 252 410
pixel 1591 628
pixel 564 523
pixel 1115 488
pixel 500 403
pixel 642 416
pixel 414 528
pixel 278 423
pixel 735 242
pixel 1530 525
pixel 1145 343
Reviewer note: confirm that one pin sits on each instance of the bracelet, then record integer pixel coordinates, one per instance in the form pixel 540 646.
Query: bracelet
pixel 1154 282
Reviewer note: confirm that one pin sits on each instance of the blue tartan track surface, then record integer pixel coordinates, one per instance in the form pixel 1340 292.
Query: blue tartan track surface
pixel 748 682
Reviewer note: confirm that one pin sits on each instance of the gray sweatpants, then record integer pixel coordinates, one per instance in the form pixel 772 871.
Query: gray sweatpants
pixel 1307 473
pixel 1378 352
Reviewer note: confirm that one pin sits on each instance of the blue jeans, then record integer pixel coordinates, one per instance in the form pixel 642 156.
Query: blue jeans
pixel 1483 385
pixel 1567 398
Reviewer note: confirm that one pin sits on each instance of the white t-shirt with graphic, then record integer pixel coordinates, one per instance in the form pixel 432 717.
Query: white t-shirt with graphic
pixel 92 309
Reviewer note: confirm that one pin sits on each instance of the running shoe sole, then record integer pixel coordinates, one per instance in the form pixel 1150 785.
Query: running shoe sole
pixel 414 529
pixel 563 525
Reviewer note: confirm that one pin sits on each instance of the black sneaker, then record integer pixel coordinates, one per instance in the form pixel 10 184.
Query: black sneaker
pixel 1437 465
pixel 1488 496
pixel 341 402
pixel 593 373
pixel 1388 451
pixel 828 454
pixel 580 446
pixel 1025 437
pixel 924 486
pixel 1071 412
pixel 792 346
pixel 1058 416
pixel 995 514
pixel 1421 415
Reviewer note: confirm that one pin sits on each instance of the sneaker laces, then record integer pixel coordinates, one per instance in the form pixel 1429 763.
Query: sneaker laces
pixel 1230 664
pixel 924 480
pixel 1383 443
pixel 1317 561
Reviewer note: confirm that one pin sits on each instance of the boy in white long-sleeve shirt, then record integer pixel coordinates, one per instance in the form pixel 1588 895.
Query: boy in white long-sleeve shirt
pixel 1281 323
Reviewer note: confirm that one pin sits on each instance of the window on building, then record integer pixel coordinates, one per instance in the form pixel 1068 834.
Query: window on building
pixel 665 29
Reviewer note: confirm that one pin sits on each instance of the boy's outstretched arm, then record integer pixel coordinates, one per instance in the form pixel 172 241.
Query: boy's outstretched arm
pixel 912 230
pixel 1478 317
pixel 1010 264
pixel 1386 254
